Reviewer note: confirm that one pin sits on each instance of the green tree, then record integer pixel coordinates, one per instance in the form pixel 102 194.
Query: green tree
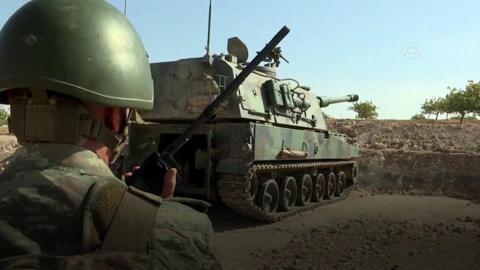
pixel 461 102
pixel 433 106
pixel 458 101
pixel 427 107
pixel 445 107
pixel 472 91
pixel 365 110
pixel 467 117
pixel 3 116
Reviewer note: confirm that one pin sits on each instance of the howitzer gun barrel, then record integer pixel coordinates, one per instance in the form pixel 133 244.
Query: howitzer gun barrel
pixel 325 101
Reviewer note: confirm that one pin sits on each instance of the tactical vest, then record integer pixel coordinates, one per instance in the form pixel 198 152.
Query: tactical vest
pixel 117 225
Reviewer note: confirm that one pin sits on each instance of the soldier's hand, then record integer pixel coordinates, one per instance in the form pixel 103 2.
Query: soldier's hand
pixel 129 174
pixel 169 181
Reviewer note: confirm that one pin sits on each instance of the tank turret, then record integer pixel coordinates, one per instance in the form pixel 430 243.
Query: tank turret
pixel 325 101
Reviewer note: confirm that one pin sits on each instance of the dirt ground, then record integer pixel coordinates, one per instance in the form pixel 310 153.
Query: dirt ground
pixel 362 232
pixel 416 207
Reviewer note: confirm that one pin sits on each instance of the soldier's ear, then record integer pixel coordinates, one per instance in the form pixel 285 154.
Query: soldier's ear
pixel 114 118
pixel 7 96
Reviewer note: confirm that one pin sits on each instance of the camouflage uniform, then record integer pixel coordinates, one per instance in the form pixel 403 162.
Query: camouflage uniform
pixel 42 196
pixel 60 205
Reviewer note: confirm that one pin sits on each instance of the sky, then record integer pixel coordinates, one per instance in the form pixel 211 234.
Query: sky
pixel 393 53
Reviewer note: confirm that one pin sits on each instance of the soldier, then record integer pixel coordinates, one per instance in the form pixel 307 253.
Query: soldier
pixel 70 71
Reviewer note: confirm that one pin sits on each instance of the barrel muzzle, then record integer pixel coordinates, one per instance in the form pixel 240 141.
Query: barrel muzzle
pixel 325 101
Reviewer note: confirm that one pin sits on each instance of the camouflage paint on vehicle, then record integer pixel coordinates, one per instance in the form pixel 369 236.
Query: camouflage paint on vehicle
pixel 185 87
pixel 237 145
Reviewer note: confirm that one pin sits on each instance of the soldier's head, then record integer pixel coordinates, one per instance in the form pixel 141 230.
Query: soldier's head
pixel 71 70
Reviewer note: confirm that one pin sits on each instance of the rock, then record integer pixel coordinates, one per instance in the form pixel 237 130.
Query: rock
pixel 350 256
pixel 367 247
pixel 457 230
pixel 379 146
pixel 335 230
pixel 359 221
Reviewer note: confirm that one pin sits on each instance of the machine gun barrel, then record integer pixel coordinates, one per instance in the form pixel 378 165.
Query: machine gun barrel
pixel 325 101
pixel 150 175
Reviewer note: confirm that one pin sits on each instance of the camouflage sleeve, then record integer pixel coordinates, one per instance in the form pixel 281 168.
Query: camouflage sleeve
pixel 182 239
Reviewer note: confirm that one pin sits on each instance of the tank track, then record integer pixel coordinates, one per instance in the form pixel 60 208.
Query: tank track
pixel 234 190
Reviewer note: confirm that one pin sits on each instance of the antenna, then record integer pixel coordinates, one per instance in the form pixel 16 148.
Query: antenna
pixel 209 24
pixel 125 8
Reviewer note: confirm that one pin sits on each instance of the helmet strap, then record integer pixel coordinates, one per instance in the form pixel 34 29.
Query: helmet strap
pixel 118 150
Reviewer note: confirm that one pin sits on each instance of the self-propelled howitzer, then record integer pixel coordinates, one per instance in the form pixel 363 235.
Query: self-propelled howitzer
pixel 267 153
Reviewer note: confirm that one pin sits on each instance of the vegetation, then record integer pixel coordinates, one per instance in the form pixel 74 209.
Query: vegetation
pixel 3 116
pixel 365 110
pixel 464 103
pixel 467 117
pixel 434 106
pixel 418 116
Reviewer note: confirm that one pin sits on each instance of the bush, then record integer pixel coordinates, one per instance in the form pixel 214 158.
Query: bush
pixel 466 117
pixel 3 116
pixel 365 110
pixel 418 116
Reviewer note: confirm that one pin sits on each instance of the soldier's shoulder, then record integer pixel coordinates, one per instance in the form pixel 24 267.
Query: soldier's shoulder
pixel 182 215
pixel 182 238
pixel 56 158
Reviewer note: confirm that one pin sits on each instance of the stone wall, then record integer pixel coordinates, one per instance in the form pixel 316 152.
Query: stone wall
pixel 424 158
pixel 423 173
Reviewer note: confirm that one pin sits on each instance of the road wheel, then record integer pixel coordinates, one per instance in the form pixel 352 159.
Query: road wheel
pixel 305 188
pixel 341 184
pixel 330 187
pixel 267 196
pixel 288 193
pixel 355 173
pixel 318 187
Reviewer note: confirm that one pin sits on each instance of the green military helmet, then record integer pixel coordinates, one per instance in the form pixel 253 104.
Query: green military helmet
pixel 85 49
